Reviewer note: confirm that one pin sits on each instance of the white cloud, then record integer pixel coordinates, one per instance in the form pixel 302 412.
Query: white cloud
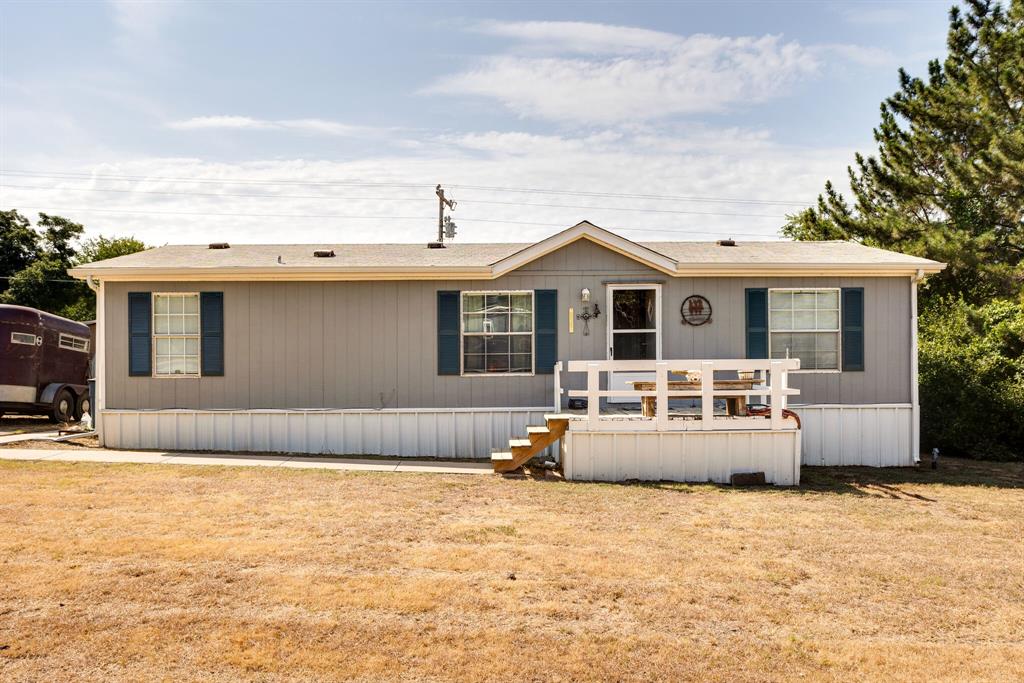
pixel 631 74
pixel 604 74
pixel 702 162
pixel 580 36
pixel 220 122
pixel 316 126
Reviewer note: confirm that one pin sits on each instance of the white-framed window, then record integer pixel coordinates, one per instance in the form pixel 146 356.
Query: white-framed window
pixel 804 324
pixel 176 334
pixel 497 333
pixel 73 343
pixel 23 338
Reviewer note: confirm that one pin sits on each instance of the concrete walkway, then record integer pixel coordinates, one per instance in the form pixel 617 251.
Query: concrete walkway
pixel 27 436
pixel 296 461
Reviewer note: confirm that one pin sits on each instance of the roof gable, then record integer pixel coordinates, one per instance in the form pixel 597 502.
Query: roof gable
pixel 588 231
pixel 586 255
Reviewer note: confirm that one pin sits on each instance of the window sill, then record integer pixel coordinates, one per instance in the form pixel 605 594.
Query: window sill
pixel 176 376
pixel 497 374
pixel 815 372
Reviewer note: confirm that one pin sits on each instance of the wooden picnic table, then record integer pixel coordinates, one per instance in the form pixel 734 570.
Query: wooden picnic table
pixel 734 404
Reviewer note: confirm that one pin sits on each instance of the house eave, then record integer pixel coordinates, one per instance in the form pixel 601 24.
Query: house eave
pixel 475 273
pixel 807 269
pixel 293 274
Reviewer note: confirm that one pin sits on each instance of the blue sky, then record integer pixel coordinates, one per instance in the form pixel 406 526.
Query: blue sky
pixel 331 122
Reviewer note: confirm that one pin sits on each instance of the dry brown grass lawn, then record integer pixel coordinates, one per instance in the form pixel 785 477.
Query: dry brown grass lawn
pixel 156 572
pixel 24 424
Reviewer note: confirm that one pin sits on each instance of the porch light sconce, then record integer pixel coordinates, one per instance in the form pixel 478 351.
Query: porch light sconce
pixel 586 316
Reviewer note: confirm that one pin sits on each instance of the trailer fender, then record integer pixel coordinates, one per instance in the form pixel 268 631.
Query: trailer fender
pixel 50 392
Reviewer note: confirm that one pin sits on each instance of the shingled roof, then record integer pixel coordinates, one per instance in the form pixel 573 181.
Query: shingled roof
pixel 489 260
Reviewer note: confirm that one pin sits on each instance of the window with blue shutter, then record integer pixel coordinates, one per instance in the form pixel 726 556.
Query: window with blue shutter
pixel 853 329
pixel 545 330
pixel 211 321
pixel 448 351
pixel 140 345
pixel 757 323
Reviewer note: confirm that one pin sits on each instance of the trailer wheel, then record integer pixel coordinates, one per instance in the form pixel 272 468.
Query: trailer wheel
pixel 82 406
pixel 63 407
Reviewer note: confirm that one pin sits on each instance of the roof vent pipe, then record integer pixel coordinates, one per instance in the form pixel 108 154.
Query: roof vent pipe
pixel 219 245
pixel 727 243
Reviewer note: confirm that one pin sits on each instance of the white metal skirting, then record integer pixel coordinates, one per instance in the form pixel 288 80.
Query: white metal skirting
pixel 873 435
pixel 442 433
pixel 682 456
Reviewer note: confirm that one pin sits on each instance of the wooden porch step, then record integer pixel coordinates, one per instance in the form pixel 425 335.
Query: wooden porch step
pixel 539 438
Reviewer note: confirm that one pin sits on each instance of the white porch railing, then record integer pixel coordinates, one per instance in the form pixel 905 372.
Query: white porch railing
pixel 771 376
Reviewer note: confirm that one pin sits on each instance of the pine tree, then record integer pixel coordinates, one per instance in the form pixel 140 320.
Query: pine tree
pixel 947 182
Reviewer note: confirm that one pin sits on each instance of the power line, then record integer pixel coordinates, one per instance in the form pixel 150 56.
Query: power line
pixel 352 216
pixel 391 199
pixel 352 183
pixel 237 181
pixel 626 195
pixel 226 194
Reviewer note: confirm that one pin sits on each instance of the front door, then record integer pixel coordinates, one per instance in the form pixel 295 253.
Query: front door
pixel 634 331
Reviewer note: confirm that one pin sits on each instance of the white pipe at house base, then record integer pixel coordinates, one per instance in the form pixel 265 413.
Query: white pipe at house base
pixel 77 435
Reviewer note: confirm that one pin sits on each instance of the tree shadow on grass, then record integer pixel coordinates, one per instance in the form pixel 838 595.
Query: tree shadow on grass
pixel 876 482
pixel 888 481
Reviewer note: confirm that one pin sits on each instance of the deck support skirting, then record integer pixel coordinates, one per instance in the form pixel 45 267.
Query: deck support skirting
pixel 695 456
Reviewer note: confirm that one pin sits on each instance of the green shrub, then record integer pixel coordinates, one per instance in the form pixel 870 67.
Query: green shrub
pixel 972 378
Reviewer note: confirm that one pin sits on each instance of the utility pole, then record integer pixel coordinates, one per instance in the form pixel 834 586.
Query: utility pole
pixel 442 202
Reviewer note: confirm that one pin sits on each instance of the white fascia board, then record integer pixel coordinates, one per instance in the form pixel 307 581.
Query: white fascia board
pixel 806 269
pixel 284 273
pixel 485 273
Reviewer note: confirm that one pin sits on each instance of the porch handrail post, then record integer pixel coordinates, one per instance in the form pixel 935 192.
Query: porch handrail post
pixel 593 397
pixel 661 400
pixel 558 387
pixel 707 395
pixel 778 373
pixel 784 381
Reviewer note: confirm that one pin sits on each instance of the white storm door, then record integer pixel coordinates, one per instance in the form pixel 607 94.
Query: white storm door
pixel 634 332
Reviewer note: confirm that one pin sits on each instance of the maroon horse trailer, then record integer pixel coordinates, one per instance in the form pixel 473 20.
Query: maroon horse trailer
pixel 44 365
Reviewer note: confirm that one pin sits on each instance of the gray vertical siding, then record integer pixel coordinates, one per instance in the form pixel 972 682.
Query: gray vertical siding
pixel 374 344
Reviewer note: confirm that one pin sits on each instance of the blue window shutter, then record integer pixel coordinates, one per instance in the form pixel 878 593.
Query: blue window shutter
pixel 853 329
pixel 757 323
pixel 211 321
pixel 448 333
pixel 545 331
pixel 140 344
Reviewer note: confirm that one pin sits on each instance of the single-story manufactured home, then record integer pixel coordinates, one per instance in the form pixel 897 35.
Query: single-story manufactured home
pixel 638 360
